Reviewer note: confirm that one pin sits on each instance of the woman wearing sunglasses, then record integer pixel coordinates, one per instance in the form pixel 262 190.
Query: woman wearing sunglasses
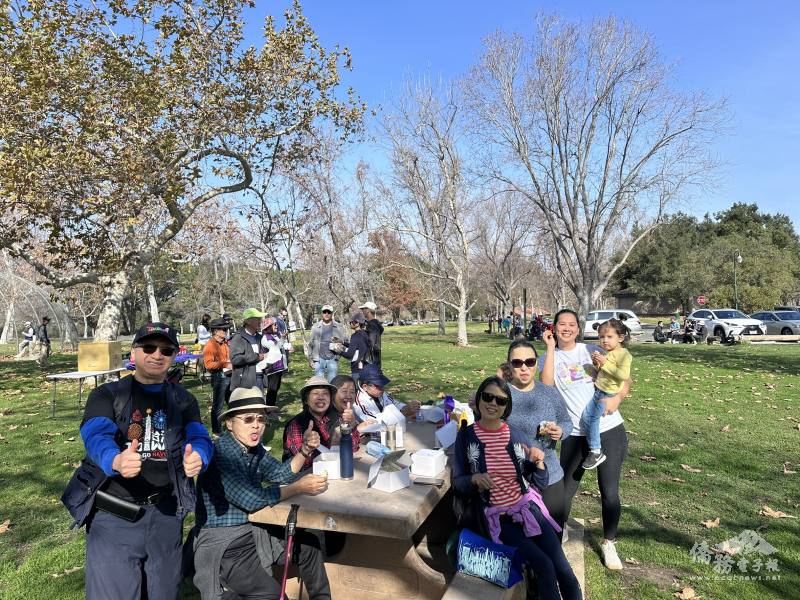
pixel 540 413
pixel 500 477
pixel 568 365
pixel 229 551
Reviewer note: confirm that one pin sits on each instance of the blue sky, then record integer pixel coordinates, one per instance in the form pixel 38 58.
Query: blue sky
pixel 745 51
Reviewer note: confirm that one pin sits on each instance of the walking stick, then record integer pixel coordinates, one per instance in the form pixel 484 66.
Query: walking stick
pixel 291 525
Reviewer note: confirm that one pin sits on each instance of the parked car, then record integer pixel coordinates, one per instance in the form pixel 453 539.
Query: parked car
pixel 594 318
pixel 780 322
pixel 725 322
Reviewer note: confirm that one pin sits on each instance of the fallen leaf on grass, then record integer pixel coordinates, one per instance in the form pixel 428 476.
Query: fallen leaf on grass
pixel 774 514
pixel 710 524
pixel 13 427
pixel 686 593
pixel 690 469
pixel 594 521
pixel 786 470
pixel 678 480
pixel 5 525
pixel 31 414
pixel 69 439
pixel 653 503
pixel 1 438
pixel 647 458
pixel 726 429
pixel 632 561
pixel 66 572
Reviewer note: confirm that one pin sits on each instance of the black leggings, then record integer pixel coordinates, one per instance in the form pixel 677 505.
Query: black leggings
pixel 574 451
pixel 273 385
pixel 553 497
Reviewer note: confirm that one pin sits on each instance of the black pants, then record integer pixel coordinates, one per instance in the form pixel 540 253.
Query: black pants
pixel 273 385
pixel 553 497
pixel 221 386
pixel 133 560
pixel 545 557
pixel 242 574
pixel 574 450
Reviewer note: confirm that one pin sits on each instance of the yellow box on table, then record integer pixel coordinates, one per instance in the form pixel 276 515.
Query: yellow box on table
pixel 99 356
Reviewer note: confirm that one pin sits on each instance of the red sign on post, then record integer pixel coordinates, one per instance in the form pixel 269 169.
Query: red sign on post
pixel 701 300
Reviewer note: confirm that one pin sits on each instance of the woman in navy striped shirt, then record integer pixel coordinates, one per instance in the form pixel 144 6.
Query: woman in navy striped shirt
pixel 501 476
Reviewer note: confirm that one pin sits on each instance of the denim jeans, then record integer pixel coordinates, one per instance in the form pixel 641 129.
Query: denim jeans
pixel 326 367
pixel 591 418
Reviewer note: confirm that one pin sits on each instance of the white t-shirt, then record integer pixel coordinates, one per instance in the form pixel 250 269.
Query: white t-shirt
pixel 203 335
pixel 576 385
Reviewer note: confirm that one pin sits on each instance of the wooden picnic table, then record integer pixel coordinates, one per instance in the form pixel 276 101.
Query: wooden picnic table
pixel 79 376
pixel 385 531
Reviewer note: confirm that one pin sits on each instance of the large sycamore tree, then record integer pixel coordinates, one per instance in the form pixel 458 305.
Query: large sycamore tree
pixel 584 121
pixel 122 117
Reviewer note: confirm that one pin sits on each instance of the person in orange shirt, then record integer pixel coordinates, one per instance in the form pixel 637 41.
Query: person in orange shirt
pixel 217 360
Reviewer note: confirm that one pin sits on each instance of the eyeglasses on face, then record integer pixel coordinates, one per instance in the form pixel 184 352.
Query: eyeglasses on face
pixel 518 362
pixel 327 312
pixel 250 419
pixel 151 348
pixel 489 398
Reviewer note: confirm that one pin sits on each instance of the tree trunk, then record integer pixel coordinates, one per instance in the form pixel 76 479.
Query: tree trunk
pixel 151 295
pixel 110 311
pixel 8 325
pixel 70 336
pixel 442 318
pixel 85 326
pixel 463 313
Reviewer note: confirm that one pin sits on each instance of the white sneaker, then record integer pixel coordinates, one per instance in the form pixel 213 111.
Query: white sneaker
pixel 610 556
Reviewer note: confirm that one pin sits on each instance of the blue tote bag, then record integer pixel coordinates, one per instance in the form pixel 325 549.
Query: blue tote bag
pixel 496 563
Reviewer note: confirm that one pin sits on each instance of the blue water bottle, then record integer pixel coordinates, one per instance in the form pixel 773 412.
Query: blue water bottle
pixel 346 453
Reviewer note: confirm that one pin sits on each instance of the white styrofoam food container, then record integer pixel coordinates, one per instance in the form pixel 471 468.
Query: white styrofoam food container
pixel 427 462
pixel 328 461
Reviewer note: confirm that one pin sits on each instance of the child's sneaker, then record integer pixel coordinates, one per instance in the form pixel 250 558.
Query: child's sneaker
pixel 610 556
pixel 593 460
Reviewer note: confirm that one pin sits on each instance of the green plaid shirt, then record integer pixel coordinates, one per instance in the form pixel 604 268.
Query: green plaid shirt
pixel 239 482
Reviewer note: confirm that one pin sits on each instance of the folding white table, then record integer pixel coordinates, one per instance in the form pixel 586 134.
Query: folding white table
pixel 80 376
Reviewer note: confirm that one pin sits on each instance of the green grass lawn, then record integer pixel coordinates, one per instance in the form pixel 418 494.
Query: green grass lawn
pixel 731 413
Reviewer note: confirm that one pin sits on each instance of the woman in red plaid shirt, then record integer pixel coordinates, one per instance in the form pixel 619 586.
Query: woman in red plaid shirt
pixel 316 395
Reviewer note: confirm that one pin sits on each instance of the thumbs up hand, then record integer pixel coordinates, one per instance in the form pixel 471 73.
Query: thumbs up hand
pixel 310 439
pixel 192 463
pixel 128 463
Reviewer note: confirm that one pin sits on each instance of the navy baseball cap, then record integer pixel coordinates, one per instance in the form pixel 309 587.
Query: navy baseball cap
pixel 162 330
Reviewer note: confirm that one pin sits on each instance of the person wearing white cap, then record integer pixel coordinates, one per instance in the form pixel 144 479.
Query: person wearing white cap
pixel 325 337
pixel 27 339
pixel 374 332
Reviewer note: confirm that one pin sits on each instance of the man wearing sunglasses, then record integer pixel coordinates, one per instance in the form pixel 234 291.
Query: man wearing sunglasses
pixel 144 437
pixel 325 336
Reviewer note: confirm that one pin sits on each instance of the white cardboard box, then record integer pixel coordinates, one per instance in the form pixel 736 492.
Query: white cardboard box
pixel 390 472
pixel 427 462
pixel 327 461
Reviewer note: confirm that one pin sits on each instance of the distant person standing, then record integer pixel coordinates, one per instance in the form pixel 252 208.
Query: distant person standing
pixel 28 336
pixel 217 361
pixel 42 346
pixel 374 332
pixel 245 348
pixel 203 332
pixel 358 346
pixel 325 335
pixel 282 322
